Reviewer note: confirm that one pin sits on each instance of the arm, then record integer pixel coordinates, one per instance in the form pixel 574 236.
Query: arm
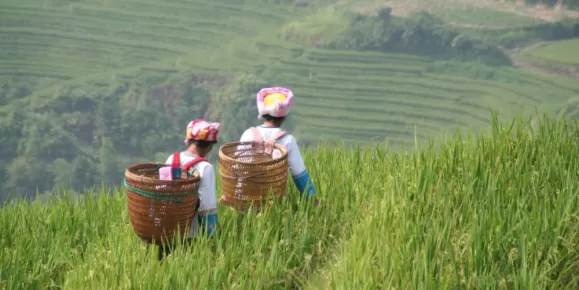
pixel 300 174
pixel 207 198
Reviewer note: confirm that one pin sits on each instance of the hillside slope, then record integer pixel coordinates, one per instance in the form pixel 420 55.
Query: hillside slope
pixel 76 75
pixel 94 42
pixel 498 210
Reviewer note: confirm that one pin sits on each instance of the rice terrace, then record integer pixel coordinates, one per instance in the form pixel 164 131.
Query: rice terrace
pixel 441 137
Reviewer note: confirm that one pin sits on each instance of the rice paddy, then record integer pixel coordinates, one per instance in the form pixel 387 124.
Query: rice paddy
pixel 494 210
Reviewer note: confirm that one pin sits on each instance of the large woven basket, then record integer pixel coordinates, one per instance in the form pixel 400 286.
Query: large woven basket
pixel 248 176
pixel 159 208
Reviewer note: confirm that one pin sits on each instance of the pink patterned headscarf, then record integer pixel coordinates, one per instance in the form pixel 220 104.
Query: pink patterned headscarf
pixel 202 130
pixel 277 109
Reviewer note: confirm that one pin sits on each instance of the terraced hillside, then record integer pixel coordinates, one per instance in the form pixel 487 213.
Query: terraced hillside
pixel 51 41
pixel 369 96
pixel 346 95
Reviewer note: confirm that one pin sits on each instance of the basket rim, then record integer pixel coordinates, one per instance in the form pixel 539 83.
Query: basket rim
pixel 222 155
pixel 131 175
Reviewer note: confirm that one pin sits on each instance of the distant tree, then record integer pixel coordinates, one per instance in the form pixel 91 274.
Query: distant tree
pixel 10 135
pixel 19 92
pixel 62 171
pixel 3 96
pixel 32 145
pixel 385 13
pixel 25 177
pixel 84 173
pixel 109 167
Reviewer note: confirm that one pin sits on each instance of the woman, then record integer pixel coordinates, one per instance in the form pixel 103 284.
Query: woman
pixel 200 138
pixel 273 106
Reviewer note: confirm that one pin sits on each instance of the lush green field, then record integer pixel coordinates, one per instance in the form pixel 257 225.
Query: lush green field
pixel 562 52
pixel 498 210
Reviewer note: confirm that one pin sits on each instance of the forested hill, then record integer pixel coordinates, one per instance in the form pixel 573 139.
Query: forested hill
pixel 89 87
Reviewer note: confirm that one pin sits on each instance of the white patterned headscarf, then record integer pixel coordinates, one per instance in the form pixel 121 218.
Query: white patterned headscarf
pixel 274 101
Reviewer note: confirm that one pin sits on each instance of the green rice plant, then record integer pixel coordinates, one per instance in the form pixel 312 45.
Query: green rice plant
pixel 495 210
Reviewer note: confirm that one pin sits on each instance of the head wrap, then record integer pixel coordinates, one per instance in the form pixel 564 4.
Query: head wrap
pixel 202 130
pixel 274 101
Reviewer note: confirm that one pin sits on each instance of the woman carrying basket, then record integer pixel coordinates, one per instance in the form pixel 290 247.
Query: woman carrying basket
pixel 273 106
pixel 200 138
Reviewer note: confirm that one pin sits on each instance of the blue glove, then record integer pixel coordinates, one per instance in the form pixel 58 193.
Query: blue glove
pixel 208 223
pixel 302 181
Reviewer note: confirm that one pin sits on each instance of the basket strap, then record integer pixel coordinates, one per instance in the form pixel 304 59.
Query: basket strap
pixel 176 166
pixel 256 135
pixel 158 196
pixel 257 140
pixel 192 163
pixel 269 143
pixel 176 160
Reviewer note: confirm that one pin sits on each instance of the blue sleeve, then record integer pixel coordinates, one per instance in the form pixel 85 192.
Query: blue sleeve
pixel 305 184
pixel 208 223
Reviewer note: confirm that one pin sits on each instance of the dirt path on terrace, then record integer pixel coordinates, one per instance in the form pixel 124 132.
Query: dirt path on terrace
pixel 404 7
pixel 542 67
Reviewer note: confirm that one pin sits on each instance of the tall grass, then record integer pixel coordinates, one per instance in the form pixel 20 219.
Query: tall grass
pixel 498 210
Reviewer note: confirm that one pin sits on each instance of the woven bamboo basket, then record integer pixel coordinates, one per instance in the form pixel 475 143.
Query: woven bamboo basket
pixel 159 209
pixel 248 176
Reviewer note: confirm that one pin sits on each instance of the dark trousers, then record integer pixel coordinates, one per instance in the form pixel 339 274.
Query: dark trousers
pixel 165 250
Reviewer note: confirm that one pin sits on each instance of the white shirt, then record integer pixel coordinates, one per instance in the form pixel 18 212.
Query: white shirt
pixel 295 160
pixel 207 196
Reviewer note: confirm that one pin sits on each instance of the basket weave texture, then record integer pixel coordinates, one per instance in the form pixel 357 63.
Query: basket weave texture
pixel 250 175
pixel 159 208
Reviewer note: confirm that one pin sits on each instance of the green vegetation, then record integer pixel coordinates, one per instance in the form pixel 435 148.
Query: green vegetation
pixel 501 23
pixel 421 34
pixel 88 87
pixel 558 52
pixel 497 210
